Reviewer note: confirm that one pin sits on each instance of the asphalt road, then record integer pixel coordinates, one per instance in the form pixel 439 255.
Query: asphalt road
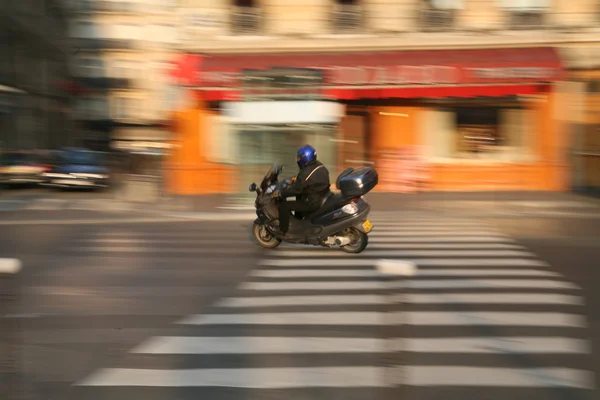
pixel 503 308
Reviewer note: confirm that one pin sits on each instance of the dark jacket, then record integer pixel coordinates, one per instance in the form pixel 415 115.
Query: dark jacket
pixel 311 184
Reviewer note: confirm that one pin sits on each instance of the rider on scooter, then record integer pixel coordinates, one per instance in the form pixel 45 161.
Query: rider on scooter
pixel 309 186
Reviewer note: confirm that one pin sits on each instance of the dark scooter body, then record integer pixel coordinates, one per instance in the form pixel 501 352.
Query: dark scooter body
pixel 341 220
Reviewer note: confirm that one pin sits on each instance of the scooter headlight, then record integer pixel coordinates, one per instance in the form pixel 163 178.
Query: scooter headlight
pixel 350 208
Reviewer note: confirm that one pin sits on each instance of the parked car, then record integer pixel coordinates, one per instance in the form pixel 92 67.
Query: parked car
pixel 21 168
pixel 78 168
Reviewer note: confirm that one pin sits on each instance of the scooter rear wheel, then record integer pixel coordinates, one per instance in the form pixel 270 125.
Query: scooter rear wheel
pixel 360 240
pixel 263 237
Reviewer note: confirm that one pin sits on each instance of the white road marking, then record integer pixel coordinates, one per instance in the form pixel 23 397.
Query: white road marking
pixel 455 375
pixel 492 298
pixel 413 284
pixel 259 345
pixel 489 345
pixel 414 233
pixel 275 301
pixel 492 318
pixel 252 378
pixel 425 262
pixel 405 253
pixel 376 245
pixel 336 273
pixel 440 239
pixel 312 318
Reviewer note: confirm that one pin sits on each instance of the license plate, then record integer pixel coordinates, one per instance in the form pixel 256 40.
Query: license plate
pixel 367 226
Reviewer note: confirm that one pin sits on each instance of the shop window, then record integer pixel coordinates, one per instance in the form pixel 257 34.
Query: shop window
pixel 593 86
pixel 485 133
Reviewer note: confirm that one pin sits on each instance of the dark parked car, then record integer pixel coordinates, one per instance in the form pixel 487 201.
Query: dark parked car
pixel 21 168
pixel 78 169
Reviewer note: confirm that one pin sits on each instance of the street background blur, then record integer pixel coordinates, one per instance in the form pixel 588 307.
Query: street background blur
pixel 195 99
pixel 130 131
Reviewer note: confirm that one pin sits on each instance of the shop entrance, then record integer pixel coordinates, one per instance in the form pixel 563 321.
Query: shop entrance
pixel 261 146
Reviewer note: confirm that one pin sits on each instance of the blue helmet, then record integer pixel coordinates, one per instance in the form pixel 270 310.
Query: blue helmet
pixel 306 154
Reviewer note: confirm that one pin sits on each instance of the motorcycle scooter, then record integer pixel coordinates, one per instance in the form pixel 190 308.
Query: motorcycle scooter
pixel 342 220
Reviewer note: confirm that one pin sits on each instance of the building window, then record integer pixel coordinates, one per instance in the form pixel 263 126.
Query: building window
pixel 525 14
pixel 347 16
pixel 246 18
pixel 90 67
pixel 84 30
pixel 92 108
pixel 439 15
pixel 125 108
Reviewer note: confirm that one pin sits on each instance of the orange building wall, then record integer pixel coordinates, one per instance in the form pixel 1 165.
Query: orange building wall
pixel 395 127
pixel 187 171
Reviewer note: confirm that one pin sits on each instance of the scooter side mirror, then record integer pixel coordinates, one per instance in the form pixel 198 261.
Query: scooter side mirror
pixel 252 187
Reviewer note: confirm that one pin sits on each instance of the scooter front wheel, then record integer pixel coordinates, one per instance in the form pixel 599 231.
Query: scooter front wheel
pixel 263 237
pixel 359 242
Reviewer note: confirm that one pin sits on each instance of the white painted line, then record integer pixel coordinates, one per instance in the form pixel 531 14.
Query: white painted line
pixel 425 262
pixel 376 245
pixel 414 233
pixel 313 318
pixel 488 284
pixel 440 239
pixel 492 298
pixel 314 273
pixel 405 253
pixel 444 229
pixel 337 285
pixel 346 273
pixel 275 301
pixel 10 265
pixel 454 375
pixel 504 345
pixel 259 345
pixel 424 222
pixel 251 378
pixel 163 250
pixel 492 318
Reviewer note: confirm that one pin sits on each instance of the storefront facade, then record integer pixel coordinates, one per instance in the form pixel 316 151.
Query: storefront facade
pixel 447 120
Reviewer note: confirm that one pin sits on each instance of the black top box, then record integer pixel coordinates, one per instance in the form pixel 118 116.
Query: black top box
pixel 356 182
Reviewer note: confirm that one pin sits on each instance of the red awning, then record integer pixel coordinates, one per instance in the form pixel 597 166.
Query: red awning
pixel 409 74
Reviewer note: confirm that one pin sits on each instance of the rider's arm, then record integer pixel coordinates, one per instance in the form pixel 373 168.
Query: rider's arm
pixel 295 189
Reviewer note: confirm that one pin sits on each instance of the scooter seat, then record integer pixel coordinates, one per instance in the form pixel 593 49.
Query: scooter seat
pixel 330 203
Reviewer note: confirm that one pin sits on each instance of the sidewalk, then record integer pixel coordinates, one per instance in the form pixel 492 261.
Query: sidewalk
pixel 479 203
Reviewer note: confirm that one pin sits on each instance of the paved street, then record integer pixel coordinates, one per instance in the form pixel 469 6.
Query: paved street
pixel 92 292
pixel 500 308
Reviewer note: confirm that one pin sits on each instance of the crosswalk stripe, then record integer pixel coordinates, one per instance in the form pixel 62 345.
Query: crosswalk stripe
pixel 340 273
pixel 270 301
pixel 424 262
pixel 492 298
pixel 251 378
pixel 413 284
pixel 491 318
pixel 488 344
pixel 455 375
pixel 376 245
pixel 433 229
pixel 404 253
pixel 413 233
pixel 259 345
pixel 314 318
pixel 440 239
